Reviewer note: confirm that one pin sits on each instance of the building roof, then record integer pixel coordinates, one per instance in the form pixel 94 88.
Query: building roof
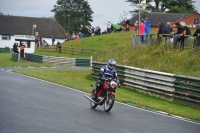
pixel 156 17
pixel 19 25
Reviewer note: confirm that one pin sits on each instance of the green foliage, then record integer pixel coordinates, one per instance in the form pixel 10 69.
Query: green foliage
pixel 173 6
pixel 73 15
pixel 176 9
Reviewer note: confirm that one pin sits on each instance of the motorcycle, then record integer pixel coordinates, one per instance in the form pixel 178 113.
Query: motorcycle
pixel 106 95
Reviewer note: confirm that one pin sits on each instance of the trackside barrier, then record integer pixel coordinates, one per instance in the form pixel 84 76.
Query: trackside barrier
pixel 187 90
pixel 58 60
pixel 5 50
pixel 182 89
pixel 15 56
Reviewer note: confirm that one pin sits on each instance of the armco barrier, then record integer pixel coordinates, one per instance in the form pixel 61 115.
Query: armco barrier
pixel 165 85
pixel 187 90
pixel 15 56
pixel 5 50
pixel 58 60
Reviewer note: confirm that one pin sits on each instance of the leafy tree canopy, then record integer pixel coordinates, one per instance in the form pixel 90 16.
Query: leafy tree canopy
pixel 73 15
pixel 166 6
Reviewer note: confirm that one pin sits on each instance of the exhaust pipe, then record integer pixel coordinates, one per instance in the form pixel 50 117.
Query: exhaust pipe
pixel 89 98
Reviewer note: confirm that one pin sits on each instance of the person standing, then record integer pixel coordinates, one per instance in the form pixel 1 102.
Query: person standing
pixel 147 30
pixel 141 30
pixel 59 46
pixel 136 25
pixel 197 35
pixel 127 25
pixel 53 40
pixel 15 48
pixel 109 27
pixel 22 46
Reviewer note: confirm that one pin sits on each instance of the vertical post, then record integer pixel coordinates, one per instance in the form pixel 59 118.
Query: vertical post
pixel 68 25
pixel 91 62
pixel 139 24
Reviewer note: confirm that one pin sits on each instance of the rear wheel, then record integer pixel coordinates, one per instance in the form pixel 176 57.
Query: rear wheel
pixel 109 103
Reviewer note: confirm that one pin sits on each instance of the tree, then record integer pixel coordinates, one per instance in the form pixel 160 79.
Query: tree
pixel 167 5
pixel 73 15
pixel 123 16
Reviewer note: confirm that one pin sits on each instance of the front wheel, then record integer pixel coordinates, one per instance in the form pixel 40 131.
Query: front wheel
pixel 92 104
pixel 108 104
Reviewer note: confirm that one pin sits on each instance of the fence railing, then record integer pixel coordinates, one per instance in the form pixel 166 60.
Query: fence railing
pixel 179 88
pixel 60 61
pixel 167 40
pixel 70 50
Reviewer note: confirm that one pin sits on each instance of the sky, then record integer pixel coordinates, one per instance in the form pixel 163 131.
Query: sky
pixel 104 10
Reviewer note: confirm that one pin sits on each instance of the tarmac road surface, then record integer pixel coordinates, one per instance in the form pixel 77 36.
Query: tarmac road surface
pixel 29 105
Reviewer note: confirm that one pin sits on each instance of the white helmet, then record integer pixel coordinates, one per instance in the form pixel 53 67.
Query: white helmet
pixel 111 64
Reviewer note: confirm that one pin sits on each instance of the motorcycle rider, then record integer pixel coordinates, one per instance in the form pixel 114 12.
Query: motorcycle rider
pixel 106 69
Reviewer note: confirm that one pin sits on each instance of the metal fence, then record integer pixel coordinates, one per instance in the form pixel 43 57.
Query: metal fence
pixel 167 40
pixel 173 87
pixel 70 50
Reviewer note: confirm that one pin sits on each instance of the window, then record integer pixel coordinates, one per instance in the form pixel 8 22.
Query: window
pixel 27 44
pixel 6 37
pixel 196 21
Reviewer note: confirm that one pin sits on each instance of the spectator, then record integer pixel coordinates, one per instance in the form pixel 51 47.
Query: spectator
pixel 104 32
pixel 141 31
pixel 36 42
pixel 73 36
pixel 147 30
pixel 66 37
pixel 22 46
pixel 80 35
pixel 197 35
pixel 91 31
pixel 76 37
pixel 164 31
pixel 15 48
pixel 53 40
pixel 59 46
pixel 136 25
pixel 127 25
pixel 109 27
pixel 171 30
pixel 179 36
pixel 45 44
pixel 169 27
pixel 97 31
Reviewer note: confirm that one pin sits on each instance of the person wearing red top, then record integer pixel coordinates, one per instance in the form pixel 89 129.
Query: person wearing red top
pixel 76 37
pixel 141 30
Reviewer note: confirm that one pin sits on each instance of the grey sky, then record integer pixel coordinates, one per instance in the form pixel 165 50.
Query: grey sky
pixel 104 10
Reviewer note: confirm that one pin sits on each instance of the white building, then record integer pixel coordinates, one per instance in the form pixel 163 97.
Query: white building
pixel 17 29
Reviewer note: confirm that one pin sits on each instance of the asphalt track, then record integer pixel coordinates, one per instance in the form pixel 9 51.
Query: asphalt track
pixel 29 105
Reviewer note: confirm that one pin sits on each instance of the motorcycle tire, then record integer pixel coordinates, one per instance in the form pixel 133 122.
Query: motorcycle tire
pixel 93 105
pixel 108 104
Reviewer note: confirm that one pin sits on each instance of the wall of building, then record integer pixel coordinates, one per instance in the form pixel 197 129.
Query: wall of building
pixel 9 43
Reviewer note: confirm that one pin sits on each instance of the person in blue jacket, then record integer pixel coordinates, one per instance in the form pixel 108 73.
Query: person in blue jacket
pixel 147 30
